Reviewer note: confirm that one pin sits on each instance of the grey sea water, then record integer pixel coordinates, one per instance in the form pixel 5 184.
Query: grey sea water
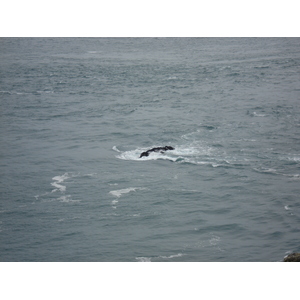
pixel 77 112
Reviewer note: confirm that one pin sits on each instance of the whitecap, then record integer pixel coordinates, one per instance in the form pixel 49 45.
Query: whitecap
pixel 135 155
pixel 296 159
pixel 59 187
pixel 143 259
pixel 90 175
pixel 181 154
pixel 255 114
pixel 172 256
pixel 191 150
pixel 214 240
pixel 116 149
pixel 57 182
pixel 159 156
pixel 67 199
pixel 265 170
pixel 131 155
pixel 119 193
pixel 5 92
pixel 61 178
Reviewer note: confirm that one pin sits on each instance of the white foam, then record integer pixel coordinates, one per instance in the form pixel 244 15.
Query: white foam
pixel 61 178
pixel 258 115
pixel 157 155
pixel 46 92
pixel 214 240
pixel 191 150
pixel 143 259
pixel 90 175
pixel 266 170
pixel 172 256
pixel 119 193
pixel 116 149
pixel 294 159
pixel 67 199
pixel 189 153
pixel 59 187
pixel 136 215
pixel 174 155
pixel 5 92
pixel 286 207
pixel 57 181
pixel 131 155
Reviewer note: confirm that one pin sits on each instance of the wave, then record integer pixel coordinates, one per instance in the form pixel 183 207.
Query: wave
pixel 295 159
pixel 255 114
pixel 143 259
pixel 26 93
pixel 119 193
pixel 171 256
pixel 57 182
pixel 194 153
pixel 161 257
pixel 185 153
pixel 116 149
pixel 67 199
pixel 60 187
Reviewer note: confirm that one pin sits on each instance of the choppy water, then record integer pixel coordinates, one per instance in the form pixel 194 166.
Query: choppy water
pixel 77 113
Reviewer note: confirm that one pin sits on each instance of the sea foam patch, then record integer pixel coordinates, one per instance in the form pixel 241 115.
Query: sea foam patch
pixel 158 258
pixel 176 155
pixel 58 194
pixel 172 256
pixel 119 193
pixel 57 182
pixel 143 259
pixel 67 199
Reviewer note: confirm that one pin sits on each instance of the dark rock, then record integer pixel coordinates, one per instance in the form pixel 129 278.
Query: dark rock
pixel 157 149
pixel 292 257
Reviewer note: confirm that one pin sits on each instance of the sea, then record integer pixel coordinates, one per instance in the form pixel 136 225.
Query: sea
pixel 76 113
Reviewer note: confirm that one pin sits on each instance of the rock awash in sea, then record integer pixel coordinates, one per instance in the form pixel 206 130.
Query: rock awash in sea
pixel 157 149
pixel 292 257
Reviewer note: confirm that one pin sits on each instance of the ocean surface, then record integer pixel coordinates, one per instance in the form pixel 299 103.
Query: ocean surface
pixel 76 113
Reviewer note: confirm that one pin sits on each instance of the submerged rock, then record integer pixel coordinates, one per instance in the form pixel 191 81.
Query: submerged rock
pixel 292 257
